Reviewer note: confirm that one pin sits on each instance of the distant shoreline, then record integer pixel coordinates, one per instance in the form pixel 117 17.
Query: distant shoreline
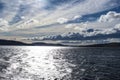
pixel 18 43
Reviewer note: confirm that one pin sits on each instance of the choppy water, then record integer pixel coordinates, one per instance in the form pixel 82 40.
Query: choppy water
pixel 59 63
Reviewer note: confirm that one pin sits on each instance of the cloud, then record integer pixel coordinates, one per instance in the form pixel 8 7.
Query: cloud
pixel 69 26
pixel 109 17
pixel 15 9
pixel 117 27
pixel 76 17
pixel 78 27
pixel 4 25
pixel 27 24
pixel 39 10
pixel 66 20
pixel 88 34
pixel 62 20
pixel 48 17
pixel 68 11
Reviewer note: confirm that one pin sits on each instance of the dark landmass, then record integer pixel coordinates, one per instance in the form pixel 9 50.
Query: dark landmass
pixel 104 45
pixel 10 42
pixel 17 43
pixel 46 44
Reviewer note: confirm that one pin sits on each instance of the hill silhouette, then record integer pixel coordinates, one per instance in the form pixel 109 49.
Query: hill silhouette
pixel 18 43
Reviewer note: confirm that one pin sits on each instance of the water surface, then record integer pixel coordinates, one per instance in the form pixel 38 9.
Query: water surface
pixel 59 63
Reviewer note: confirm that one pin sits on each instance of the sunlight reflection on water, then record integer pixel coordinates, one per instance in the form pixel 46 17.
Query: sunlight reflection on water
pixel 39 63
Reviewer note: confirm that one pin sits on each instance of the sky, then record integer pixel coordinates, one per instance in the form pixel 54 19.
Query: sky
pixel 68 20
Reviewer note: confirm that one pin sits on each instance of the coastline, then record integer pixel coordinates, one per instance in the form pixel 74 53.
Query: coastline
pixel 18 43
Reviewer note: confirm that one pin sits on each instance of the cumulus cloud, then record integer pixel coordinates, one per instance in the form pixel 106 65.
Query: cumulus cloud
pixel 88 33
pixel 109 17
pixel 104 22
pixel 117 27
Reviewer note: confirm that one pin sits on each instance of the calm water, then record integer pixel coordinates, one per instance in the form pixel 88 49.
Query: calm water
pixel 59 63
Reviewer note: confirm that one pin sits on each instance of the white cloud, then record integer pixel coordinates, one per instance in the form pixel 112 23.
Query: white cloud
pixel 65 20
pixel 117 26
pixel 76 17
pixel 105 22
pixel 61 14
pixel 62 20
pixel 79 27
pixel 34 14
pixel 109 17
pixel 26 8
pixel 69 12
pixel 3 25
pixel 84 8
pixel 3 22
pixel 108 31
pixel 22 17
pixel 87 33
pixel 69 26
pixel 27 24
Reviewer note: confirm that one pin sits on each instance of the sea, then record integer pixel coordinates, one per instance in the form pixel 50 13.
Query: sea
pixel 59 63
